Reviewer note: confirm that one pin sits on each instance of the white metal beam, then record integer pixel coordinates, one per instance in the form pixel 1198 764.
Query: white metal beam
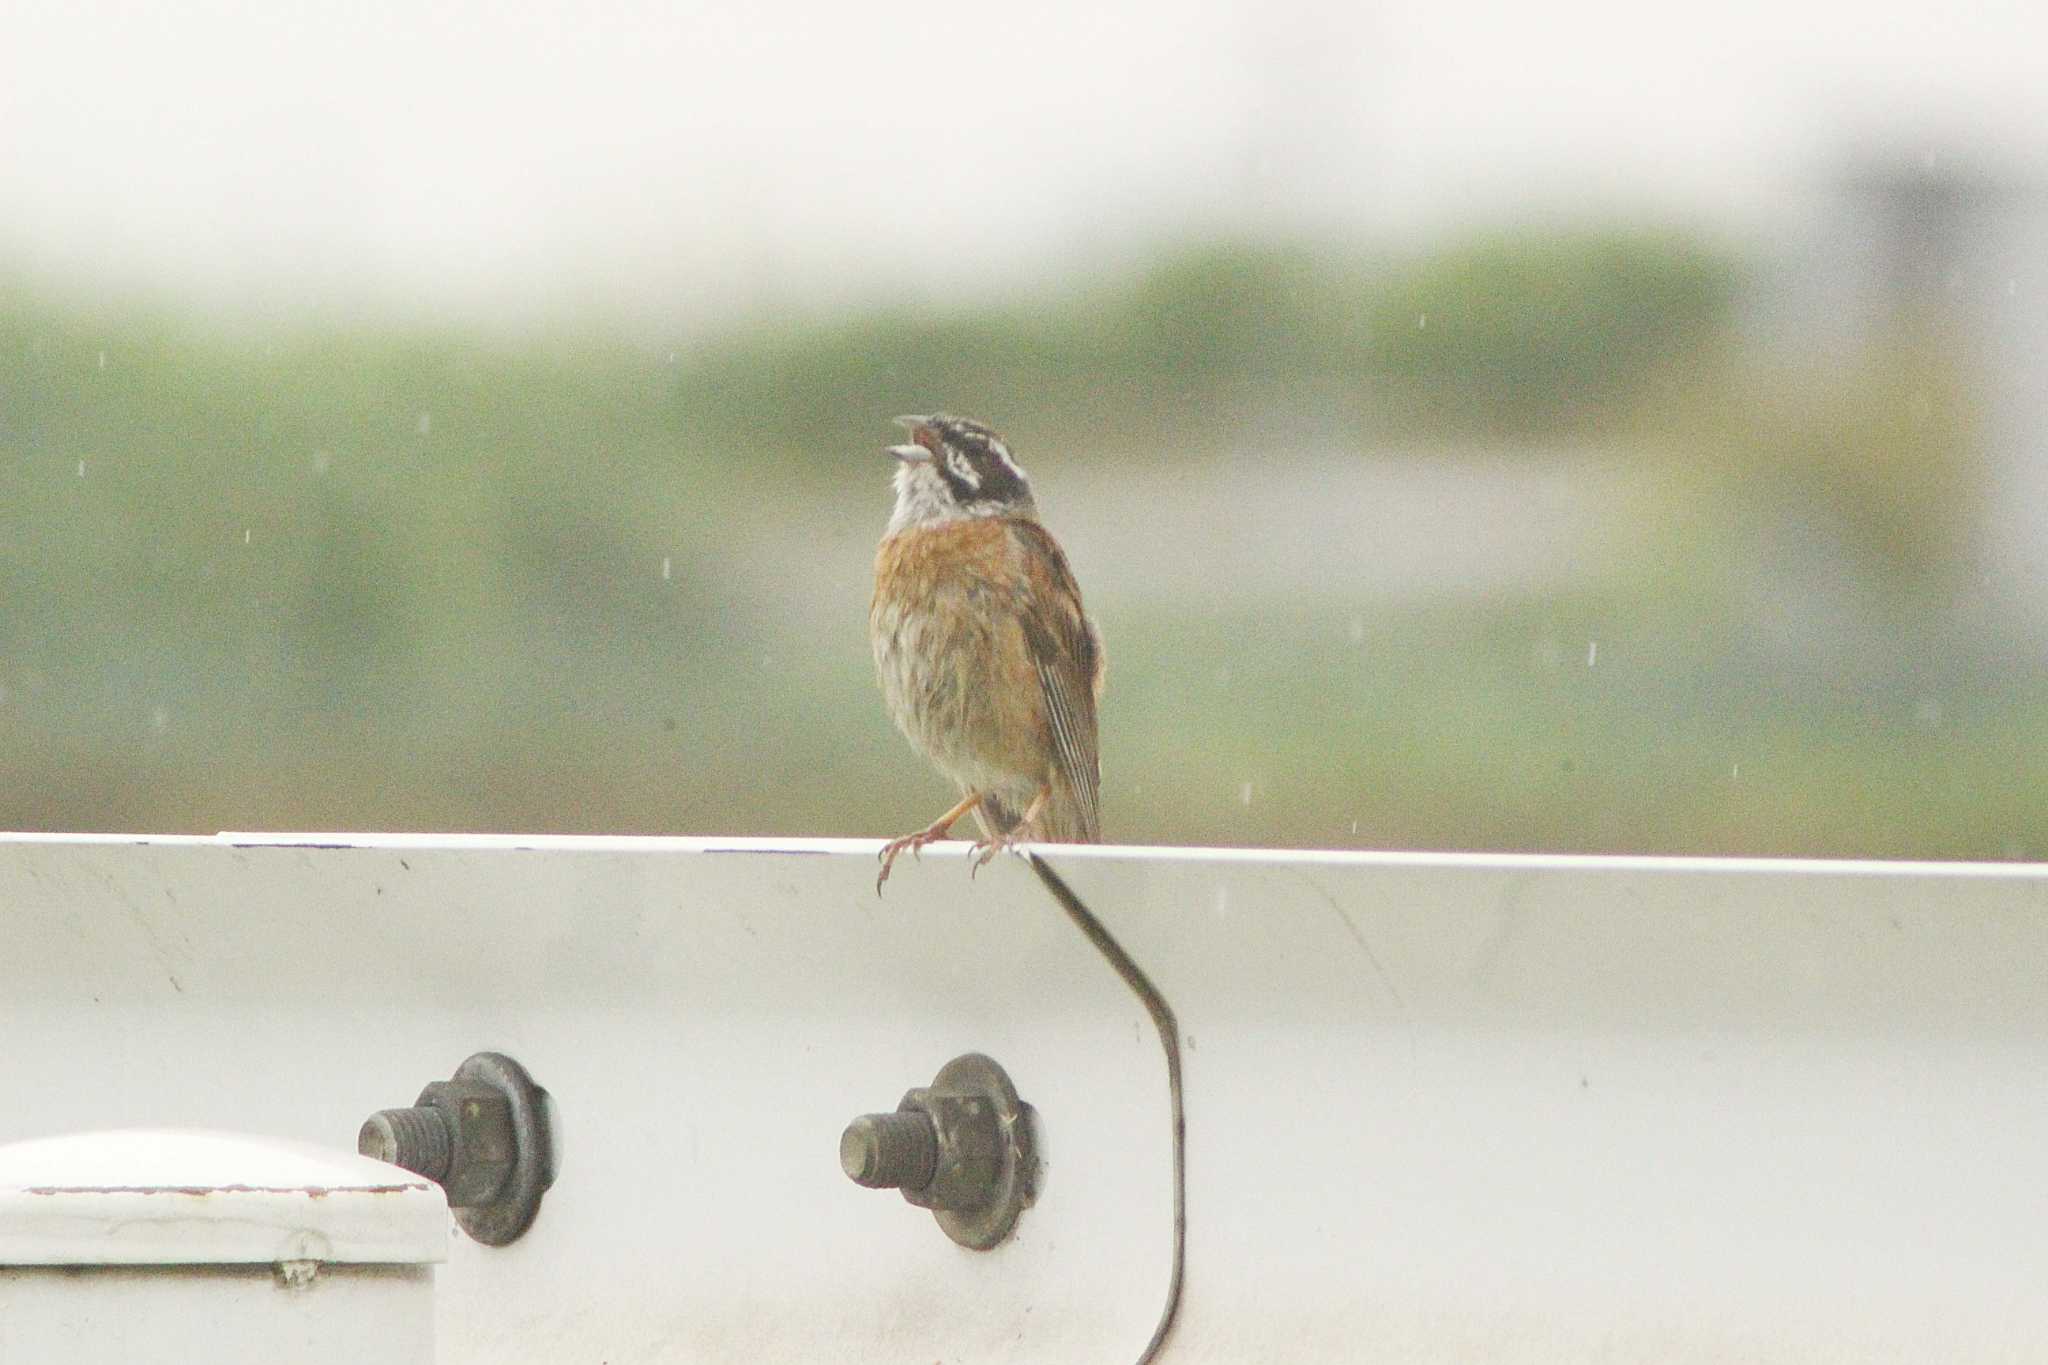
pixel 1439 1108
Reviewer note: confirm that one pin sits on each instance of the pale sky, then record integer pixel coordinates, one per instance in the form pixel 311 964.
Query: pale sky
pixel 673 159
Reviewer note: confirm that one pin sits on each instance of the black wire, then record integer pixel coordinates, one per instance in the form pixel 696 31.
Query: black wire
pixel 1169 1040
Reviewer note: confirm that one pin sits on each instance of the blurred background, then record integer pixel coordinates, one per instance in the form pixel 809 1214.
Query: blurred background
pixel 1569 427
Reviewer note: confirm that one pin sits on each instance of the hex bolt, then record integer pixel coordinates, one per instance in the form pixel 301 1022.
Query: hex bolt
pixel 962 1147
pixel 486 1136
pixel 415 1138
pixel 897 1151
pixel 461 1134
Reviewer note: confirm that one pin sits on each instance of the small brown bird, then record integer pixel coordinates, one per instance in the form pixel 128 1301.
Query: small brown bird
pixel 987 661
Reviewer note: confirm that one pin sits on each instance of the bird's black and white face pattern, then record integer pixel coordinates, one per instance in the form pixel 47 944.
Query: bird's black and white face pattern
pixel 955 468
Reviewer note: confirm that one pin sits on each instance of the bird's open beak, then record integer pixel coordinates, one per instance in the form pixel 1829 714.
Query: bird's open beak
pixel 913 453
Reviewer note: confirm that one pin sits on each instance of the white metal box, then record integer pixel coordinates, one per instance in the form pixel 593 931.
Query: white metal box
pixel 143 1246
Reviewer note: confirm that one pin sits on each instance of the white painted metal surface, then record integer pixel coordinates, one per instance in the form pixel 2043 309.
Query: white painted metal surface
pixel 217 1315
pixel 1571 1109
pixel 707 1023
pixel 153 1197
pixel 1439 1108
pixel 144 1246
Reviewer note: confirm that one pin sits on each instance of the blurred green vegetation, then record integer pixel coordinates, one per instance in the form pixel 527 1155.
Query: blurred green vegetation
pixel 263 576
pixel 1521 335
pixel 1228 343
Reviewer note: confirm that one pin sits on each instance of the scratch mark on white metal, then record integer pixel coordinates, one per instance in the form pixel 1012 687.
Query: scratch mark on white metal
pixel 1379 969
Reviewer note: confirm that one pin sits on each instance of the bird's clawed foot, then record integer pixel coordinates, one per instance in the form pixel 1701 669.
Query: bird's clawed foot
pixel 913 842
pixel 984 851
pixel 1013 838
pixel 930 834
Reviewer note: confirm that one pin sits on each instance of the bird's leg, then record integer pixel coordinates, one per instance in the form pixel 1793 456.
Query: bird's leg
pixel 931 834
pixel 985 849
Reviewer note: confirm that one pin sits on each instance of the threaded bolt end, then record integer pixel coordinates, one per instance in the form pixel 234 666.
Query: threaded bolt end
pixel 890 1151
pixel 415 1138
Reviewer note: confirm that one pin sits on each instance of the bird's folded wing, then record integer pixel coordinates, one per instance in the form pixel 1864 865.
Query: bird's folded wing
pixel 1067 655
